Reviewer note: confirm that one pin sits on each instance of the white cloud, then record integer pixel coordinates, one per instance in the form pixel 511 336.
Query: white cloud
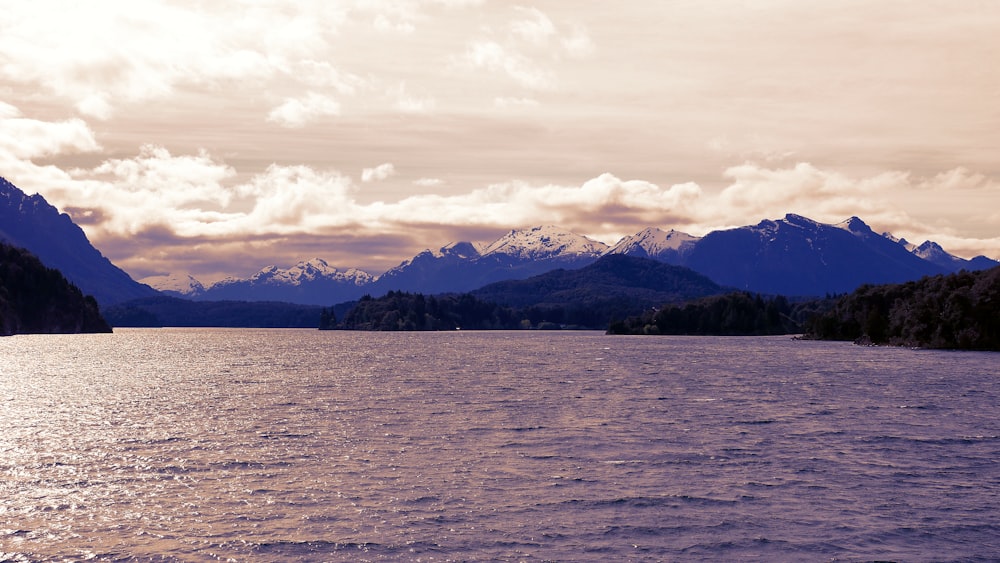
pixel 24 138
pixel 323 75
pixel 428 182
pixel 509 102
pixel 95 105
pixel 100 55
pixel 152 188
pixel 959 178
pixel 494 57
pixel 297 112
pixel 198 197
pixel 380 172
pixel 407 103
pixel 295 199
pixel 600 200
pixel 578 43
pixel 535 27
pixel 383 23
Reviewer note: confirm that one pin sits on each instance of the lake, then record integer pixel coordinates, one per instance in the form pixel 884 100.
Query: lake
pixel 276 445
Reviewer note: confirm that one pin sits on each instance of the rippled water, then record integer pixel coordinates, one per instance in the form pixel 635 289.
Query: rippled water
pixel 267 445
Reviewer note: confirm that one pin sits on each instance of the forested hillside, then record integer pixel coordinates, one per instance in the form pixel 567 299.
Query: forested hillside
pixel 732 314
pixel 175 312
pixel 399 310
pixel 36 299
pixel 957 311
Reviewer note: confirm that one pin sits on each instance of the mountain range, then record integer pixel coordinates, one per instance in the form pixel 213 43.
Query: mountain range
pixel 793 256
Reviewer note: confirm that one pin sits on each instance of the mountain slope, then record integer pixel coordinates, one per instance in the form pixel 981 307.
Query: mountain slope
pixel 612 277
pixel 613 287
pixel 37 299
pixel 657 244
pixel 175 285
pixel 798 256
pixel 519 254
pixel 312 282
pixel 932 252
pixel 30 222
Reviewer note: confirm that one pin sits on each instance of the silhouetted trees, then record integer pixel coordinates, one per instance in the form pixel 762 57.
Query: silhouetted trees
pixel 37 299
pixel 399 310
pixel 737 313
pixel 958 311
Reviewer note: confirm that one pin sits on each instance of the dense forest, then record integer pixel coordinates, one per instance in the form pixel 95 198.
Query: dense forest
pixel 172 311
pixel 37 299
pixel 614 287
pixel 732 314
pixel 956 311
pixel 399 310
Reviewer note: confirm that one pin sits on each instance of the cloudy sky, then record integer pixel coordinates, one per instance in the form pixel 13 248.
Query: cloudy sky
pixel 215 138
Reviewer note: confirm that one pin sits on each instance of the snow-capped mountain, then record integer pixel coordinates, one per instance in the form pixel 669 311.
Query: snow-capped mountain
pixel 544 243
pixel 305 272
pixel 312 282
pixel 177 285
pixel 464 266
pixel 655 243
pixel 798 256
pixel 932 252
pixel 793 256
pixel 462 250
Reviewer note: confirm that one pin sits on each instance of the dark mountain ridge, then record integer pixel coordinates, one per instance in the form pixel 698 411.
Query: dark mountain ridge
pixel 29 222
pixel 615 277
pixel 797 256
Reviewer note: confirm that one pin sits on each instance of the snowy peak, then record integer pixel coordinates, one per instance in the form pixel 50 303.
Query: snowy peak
pixel 313 270
pixel 318 269
pixel 464 250
pixel 909 246
pixel 931 251
pixel 180 284
pixel 856 226
pixel 653 242
pixel 803 222
pixel 540 243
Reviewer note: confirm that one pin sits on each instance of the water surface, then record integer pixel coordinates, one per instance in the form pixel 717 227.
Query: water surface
pixel 269 445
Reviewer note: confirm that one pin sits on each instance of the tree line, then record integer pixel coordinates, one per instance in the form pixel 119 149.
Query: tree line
pixel 956 311
pixel 738 313
pixel 37 299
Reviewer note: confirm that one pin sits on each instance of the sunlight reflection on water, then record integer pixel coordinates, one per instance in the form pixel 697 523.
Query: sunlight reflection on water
pixel 294 444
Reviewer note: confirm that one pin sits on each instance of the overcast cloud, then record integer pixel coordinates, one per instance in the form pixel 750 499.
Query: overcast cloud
pixel 214 139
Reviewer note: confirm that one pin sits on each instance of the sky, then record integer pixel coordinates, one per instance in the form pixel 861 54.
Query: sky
pixel 216 138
